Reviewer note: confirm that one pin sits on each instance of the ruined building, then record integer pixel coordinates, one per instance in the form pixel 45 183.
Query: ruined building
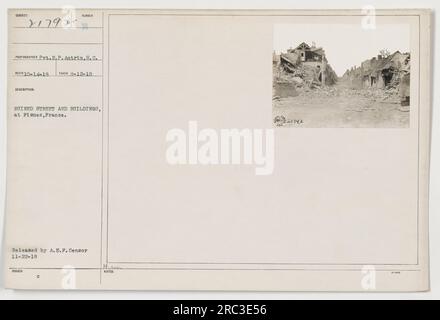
pixel 307 62
pixel 381 72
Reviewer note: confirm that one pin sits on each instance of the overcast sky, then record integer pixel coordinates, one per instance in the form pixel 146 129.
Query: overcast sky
pixel 345 45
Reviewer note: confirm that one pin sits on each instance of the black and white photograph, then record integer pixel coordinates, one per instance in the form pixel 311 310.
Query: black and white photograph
pixel 341 76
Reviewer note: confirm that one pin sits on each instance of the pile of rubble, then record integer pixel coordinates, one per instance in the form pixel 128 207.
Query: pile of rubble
pixel 387 95
pixel 302 79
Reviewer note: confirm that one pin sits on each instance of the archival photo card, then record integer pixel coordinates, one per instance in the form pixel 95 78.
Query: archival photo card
pixel 164 150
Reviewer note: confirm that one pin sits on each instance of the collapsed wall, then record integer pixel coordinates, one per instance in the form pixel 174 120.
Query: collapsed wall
pixel 304 66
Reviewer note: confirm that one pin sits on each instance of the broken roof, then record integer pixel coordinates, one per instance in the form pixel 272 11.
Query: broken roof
pixel 377 65
pixel 303 45
pixel 290 57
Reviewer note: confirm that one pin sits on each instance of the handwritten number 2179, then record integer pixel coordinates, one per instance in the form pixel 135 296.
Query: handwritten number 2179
pixel 45 23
